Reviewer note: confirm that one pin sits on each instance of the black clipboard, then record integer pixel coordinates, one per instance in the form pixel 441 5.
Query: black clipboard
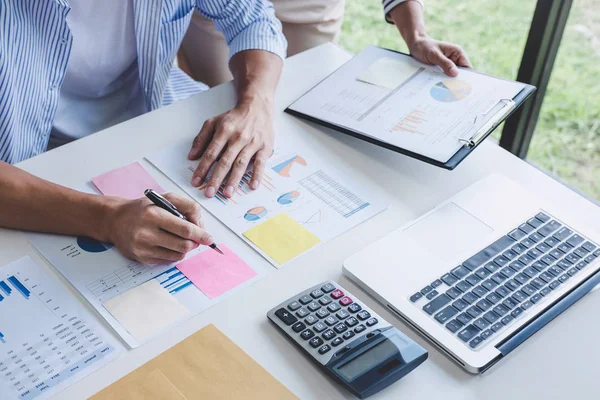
pixel 501 111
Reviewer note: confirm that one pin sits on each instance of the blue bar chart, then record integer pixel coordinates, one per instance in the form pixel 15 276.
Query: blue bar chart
pixel 2 338
pixel 5 288
pixel 173 280
pixel 19 286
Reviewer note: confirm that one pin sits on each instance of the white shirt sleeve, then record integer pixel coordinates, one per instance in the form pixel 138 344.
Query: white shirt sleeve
pixel 388 5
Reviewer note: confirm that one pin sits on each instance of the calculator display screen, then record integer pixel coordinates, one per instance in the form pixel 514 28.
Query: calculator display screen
pixel 367 360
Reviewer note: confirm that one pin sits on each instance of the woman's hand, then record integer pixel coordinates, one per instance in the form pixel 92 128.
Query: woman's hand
pixel 151 235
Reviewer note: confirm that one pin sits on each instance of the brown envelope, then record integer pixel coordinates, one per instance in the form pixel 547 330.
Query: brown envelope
pixel 207 365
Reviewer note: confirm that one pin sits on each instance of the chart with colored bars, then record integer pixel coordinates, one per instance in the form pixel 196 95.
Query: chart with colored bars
pixel 333 193
pixel 450 90
pixel 173 280
pixel 44 342
pixel 410 123
pixel 242 189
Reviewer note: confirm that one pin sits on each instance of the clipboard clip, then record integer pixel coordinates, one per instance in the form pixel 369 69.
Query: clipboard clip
pixel 506 106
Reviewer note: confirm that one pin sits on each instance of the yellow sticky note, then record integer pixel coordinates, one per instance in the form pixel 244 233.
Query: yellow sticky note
pixel 282 238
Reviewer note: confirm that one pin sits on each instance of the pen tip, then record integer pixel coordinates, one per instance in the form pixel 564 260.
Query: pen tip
pixel 219 250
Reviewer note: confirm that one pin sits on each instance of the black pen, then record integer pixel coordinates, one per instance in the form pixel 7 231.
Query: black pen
pixel 166 205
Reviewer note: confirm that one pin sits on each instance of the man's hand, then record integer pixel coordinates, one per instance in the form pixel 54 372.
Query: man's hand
pixel 230 141
pixel 447 55
pixel 408 17
pixel 149 234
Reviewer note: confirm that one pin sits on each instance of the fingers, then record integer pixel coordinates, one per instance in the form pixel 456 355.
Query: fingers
pixel 439 58
pixel 260 162
pixel 210 156
pixel 202 139
pixel 222 168
pixel 174 243
pixel 189 208
pixel 463 61
pixel 183 229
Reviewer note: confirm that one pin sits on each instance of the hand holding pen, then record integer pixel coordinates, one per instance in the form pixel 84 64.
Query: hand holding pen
pixel 166 205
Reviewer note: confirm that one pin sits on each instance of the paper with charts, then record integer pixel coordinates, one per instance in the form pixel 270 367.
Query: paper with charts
pixel 302 201
pixel 395 99
pixel 47 340
pixel 104 276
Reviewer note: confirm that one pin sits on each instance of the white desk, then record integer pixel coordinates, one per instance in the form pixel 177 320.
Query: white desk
pixel 558 362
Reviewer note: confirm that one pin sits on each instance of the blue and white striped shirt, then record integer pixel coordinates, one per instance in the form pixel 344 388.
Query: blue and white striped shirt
pixel 35 44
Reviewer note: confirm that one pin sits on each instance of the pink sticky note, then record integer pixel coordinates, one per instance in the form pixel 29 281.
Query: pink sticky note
pixel 128 182
pixel 215 273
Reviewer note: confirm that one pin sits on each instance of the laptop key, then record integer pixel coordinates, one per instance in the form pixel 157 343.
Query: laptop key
pixel 460 272
pixel 528 243
pixel 516 312
pixel 484 304
pixel 555 271
pixel 545 291
pixel 426 290
pixel 538 283
pixel 564 247
pixel 518 248
pixel 550 242
pixel 502 291
pixel 482 273
pixel 491 317
pixel 481 323
pixel 473 279
pixel 501 261
pixel 528 289
pixel 517 234
pixel 536 237
pixel 526 304
pixel 432 294
pixel 542 248
pixel 526 228
pixel 509 303
pixel 539 266
pixel 468 332
pixel 546 277
pixel 564 278
pixel 488 284
pixel 479 291
pixel 507 271
pixel 510 254
pixel 453 293
pixel 562 234
pixel 556 254
pixel 464 318
pixel 436 304
pixel 453 326
pixel 493 298
pixel 564 265
pixel 474 312
pixel 572 258
pixel 525 259
pixel 497 326
pixel 501 310
pixel 416 297
pixel 486 334
pixel 519 296
pixel 521 278
pixel 512 285
pixel 449 279
pixel 549 228
pixel 580 252
pixel 554 285
pixel 506 320
pixel 470 298
pixel 445 314
pixel 463 286
pixel 536 298
pixel 534 222
pixel 534 253
pixel 492 267
pixel 581 265
pixel 530 272
pixel 460 304
pixel 589 246
pixel 475 342
pixel 435 283
pixel 542 217
pixel 498 278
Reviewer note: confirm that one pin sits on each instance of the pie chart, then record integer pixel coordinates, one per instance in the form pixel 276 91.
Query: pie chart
pixel 256 213
pixel 288 198
pixel 92 245
pixel 450 90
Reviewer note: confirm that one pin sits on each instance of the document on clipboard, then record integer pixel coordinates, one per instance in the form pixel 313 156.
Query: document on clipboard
pixel 393 100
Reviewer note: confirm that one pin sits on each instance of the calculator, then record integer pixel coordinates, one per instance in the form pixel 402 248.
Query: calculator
pixel 353 344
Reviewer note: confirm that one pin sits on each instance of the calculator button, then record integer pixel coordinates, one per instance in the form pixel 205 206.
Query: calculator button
pixel 307 334
pixel 348 335
pixel 354 308
pixel 334 307
pixel 339 328
pixel 336 294
pixel 363 315
pixel 301 313
pixel 294 305
pixel 342 314
pixel 319 327
pixel 360 328
pixel 316 293
pixel 285 316
pixel 331 320
pixel 324 349
pixel 372 322
pixel 311 319
pixel 345 301
pixel 322 313
pixel 351 321
pixel 316 342
pixel 298 327
pixel 337 341
pixel 313 306
pixel 328 287
pixel 325 300
pixel 305 299
pixel 328 334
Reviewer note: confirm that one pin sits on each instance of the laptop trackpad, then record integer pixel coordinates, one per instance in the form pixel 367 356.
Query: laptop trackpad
pixel 448 231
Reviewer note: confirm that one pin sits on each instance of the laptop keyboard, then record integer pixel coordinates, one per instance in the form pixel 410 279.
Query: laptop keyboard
pixel 487 292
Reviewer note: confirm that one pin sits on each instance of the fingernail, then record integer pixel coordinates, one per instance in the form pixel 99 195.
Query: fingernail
pixel 228 191
pixel 191 155
pixel 254 184
pixel 454 71
pixel 210 191
pixel 210 240
pixel 196 181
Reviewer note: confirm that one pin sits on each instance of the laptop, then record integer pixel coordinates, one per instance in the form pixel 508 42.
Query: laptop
pixel 482 272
